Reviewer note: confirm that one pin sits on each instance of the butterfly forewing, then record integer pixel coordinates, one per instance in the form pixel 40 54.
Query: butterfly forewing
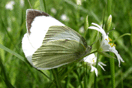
pixel 63 32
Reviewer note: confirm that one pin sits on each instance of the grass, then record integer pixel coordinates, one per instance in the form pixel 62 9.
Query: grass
pixel 15 71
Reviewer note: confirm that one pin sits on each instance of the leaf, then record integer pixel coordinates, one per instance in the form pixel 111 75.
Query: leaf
pixel 12 52
pixel 5 77
pixel 125 75
pixel 105 54
pixel 122 36
pixel 89 12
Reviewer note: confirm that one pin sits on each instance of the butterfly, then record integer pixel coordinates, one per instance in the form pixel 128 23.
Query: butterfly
pixel 49 44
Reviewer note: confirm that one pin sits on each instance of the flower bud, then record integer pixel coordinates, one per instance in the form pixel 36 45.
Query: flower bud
pixel 109 22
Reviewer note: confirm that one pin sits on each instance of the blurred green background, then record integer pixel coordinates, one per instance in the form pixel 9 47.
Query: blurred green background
pixel 18 73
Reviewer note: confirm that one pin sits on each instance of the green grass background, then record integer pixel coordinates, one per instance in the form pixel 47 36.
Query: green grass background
pixel 16 72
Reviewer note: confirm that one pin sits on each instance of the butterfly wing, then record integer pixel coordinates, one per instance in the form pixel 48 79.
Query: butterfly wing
pixel 63 32
pixel 61 45
pixel 57 53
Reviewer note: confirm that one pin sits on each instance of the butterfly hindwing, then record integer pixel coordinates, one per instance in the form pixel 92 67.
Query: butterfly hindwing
pixel 57 53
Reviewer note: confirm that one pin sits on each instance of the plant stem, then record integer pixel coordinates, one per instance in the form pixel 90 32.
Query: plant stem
pixel 109 6
pixel 67 79
pixel 57 81
pixel 112 65
pixel 85 77
pixel 95 78
pixel 86 25
pixel 45 9
pixel 112 68
pixel 43 5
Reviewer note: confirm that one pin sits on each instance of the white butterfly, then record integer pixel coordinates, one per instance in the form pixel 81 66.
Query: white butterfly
pixel 49 44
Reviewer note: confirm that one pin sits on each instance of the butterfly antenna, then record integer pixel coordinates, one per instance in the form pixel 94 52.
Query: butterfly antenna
pixel 30 4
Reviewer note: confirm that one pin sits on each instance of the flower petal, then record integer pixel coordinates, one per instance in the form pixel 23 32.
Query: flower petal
pixel 9 5
pixel 94 69
pixel 108 48
pixel 105 46
pixel 117 54
pixel 91 59
pixel 97 25
pixel 98 28
pixel 95 28
pixel 101 65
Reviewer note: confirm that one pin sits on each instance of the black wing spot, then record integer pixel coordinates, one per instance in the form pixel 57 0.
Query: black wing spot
pixel 31 14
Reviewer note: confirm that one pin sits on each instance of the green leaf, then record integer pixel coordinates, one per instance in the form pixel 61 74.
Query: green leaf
pixel 122 36
pixel 89 12
pixel 5 77
pixel 105 54
pixel 124 76
pixel 12 52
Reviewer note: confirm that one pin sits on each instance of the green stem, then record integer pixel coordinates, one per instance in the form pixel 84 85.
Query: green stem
pixel 78 17
pixel 121 79
pixel 122 36
pixel 4 75
pixel 112 65
pixel 109 6
pixel 112 68
pixel 85 77
pixel 67 79
pixel 56 78
pixel 45 9
pixel 86 25
pixel 95 78
pixel 45 75
pixel 43 5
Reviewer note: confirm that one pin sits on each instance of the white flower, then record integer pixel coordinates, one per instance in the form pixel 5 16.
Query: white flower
pixel 8 29
pixel 64 17
pixel 9 5
pixel 53 10
pixel 91 60
pixel 81 18
pixel 105 44
pixel 81 30
pixel 22 3
pixel 78 2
